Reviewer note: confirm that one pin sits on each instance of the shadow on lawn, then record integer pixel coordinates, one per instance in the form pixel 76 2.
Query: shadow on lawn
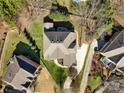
pixel 28 51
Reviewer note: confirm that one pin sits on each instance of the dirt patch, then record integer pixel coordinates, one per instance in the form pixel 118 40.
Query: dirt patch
pixel 4 28
pixel 119 19
pixel 45 83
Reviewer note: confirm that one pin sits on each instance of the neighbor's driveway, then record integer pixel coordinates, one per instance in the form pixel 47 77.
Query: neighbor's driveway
pixel 87 67
pixel 80 56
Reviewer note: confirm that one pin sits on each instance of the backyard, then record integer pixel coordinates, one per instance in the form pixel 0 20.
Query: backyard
pixel 57 16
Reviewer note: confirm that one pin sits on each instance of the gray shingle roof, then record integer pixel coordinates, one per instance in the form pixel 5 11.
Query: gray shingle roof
pixel 116 42
pixel 114 48
pixel 58 45
pixel 58 36
pixel 116 58
pixel 17 75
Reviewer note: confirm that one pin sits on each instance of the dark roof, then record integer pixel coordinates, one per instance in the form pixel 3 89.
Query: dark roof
pixel 26 85
pixel 116 42
pixel 122 69
pixel 112 66
pixel 10 89
pixel 116 58
pixel 57 36
pixel 73 44
pixel 26 66
pixel 47 19
pixel 65 24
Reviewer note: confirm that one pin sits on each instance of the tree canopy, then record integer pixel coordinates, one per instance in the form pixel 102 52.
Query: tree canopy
pixel 39 7
pixel 93 14
pixel 8 8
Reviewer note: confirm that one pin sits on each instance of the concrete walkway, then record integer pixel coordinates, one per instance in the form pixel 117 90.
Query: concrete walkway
pixel 80 56
pixel 84 80
pixel 67 83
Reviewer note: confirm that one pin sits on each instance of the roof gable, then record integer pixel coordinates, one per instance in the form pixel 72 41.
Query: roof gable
pixel 116 42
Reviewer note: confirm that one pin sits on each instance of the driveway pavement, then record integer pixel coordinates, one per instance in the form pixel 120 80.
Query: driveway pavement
pixel 87 67
pixel 80 56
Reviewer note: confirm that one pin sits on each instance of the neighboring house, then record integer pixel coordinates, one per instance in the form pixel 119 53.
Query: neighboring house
pixel 113 52
pixel 60 42
pixel 21 72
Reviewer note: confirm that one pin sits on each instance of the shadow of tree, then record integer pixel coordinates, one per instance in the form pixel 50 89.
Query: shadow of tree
pixel 26 50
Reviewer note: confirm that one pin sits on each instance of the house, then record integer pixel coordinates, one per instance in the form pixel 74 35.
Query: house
pixel 59 42
pixel 21 72
pixel 113 52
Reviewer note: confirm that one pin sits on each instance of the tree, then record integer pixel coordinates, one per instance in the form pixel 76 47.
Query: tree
pixel 8 8
pixel 39 7
pixel 93 14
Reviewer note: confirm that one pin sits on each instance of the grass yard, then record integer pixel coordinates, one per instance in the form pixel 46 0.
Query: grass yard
pixel 58 74
pixel 94 82
pixel 56 16
pixel 36 31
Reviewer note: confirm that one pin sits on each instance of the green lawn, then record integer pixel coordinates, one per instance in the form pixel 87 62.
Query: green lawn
pixel 94 82
pixel 56 16
pixel 36 31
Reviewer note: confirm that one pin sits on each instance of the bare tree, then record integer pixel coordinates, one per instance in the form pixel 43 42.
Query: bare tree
pixel 39 7
pixel 94 14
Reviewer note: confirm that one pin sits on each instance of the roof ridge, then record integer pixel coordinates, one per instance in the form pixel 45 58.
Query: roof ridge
pixel 123 38
pixel 111 40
